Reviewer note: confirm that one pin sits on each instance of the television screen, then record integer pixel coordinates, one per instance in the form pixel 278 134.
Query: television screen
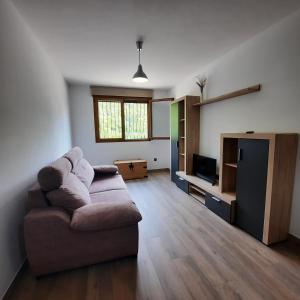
pixel 205 167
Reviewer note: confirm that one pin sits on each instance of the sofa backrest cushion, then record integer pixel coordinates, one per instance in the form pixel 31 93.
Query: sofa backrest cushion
pixel 51 177
pixel 36 198
pixel 106 169
pixel 74 156
pixel 71 195
pixel 84 171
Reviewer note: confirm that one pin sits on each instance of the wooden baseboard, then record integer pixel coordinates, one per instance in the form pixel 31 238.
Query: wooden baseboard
pixel 12 285
pixel 159 170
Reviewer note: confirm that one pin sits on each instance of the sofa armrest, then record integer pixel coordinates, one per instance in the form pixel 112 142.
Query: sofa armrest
pixel 104 216
pixel 106 169
pixel 40 222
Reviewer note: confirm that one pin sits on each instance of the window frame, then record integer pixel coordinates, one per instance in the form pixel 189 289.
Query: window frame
pixel 122 100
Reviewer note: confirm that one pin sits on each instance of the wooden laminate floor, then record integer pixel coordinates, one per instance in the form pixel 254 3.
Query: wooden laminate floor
pixel 186 252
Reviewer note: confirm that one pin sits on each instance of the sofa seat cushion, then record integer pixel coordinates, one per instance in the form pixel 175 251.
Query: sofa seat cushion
pixel 113 195
pixel 107 183
pixel 71 195
pixel 84 171
pixel 51 177
pixel 105 216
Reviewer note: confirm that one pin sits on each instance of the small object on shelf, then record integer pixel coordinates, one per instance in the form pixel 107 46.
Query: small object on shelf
pixel 132 169
pixel 249 132
pixel 201 83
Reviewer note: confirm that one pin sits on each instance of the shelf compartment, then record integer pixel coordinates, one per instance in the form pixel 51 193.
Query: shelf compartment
pixel 228 170
pixel 233 165
pixel 201 199
pixel 197 193
pixel 181 162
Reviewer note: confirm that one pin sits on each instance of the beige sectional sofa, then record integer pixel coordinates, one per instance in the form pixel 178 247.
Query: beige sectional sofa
pixel 78 215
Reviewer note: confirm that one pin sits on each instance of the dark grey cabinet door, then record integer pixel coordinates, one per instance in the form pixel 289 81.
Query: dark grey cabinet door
pixel 174 141
pixel 251 185
pixel 180 182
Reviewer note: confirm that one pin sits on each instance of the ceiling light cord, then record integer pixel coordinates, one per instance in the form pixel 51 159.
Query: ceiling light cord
pixel 139 56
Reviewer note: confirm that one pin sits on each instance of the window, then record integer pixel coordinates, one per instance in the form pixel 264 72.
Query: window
pixel 122 119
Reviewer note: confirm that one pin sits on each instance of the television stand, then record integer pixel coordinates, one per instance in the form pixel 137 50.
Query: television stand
pixel 223 204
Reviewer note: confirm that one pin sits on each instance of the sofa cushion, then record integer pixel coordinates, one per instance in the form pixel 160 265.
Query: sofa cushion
pixel 74 156
pixel 36 198
pixel 106 169
pixel 107 183
pixel 71 195
pixel 51 177
pixel 84 171
pixel 112 195
pixel 104 216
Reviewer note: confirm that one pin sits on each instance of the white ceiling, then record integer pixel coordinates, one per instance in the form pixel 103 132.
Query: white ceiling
pixel 93 41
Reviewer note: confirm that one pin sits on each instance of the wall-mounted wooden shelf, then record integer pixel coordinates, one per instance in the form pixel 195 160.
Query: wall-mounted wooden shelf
pixel 163 100
pixel 248 90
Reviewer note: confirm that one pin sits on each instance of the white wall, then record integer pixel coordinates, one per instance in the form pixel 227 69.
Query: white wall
pixel 83 135
pixel 34 129
pixel 272 58
pixel 160 119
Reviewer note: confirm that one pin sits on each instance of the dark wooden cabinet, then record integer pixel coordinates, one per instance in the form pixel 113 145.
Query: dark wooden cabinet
pixel 255 189
pixel 251 184
pixel 259 168
pixel 220 207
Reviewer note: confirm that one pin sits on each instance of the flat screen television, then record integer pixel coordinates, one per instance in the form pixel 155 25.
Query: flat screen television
pixel 205 168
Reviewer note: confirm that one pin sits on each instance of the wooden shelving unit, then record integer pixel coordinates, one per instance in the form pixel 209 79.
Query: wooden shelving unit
pixel 248 90
pixel 188 132
pixel 181 132
pixel 280 169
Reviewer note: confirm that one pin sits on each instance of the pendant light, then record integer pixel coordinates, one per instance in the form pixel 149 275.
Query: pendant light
pixel 139 76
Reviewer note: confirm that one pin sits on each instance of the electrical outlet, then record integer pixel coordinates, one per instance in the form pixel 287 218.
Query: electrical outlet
pixel 155 159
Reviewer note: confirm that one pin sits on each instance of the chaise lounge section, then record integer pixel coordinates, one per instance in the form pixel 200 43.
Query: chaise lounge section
pixel 78 215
